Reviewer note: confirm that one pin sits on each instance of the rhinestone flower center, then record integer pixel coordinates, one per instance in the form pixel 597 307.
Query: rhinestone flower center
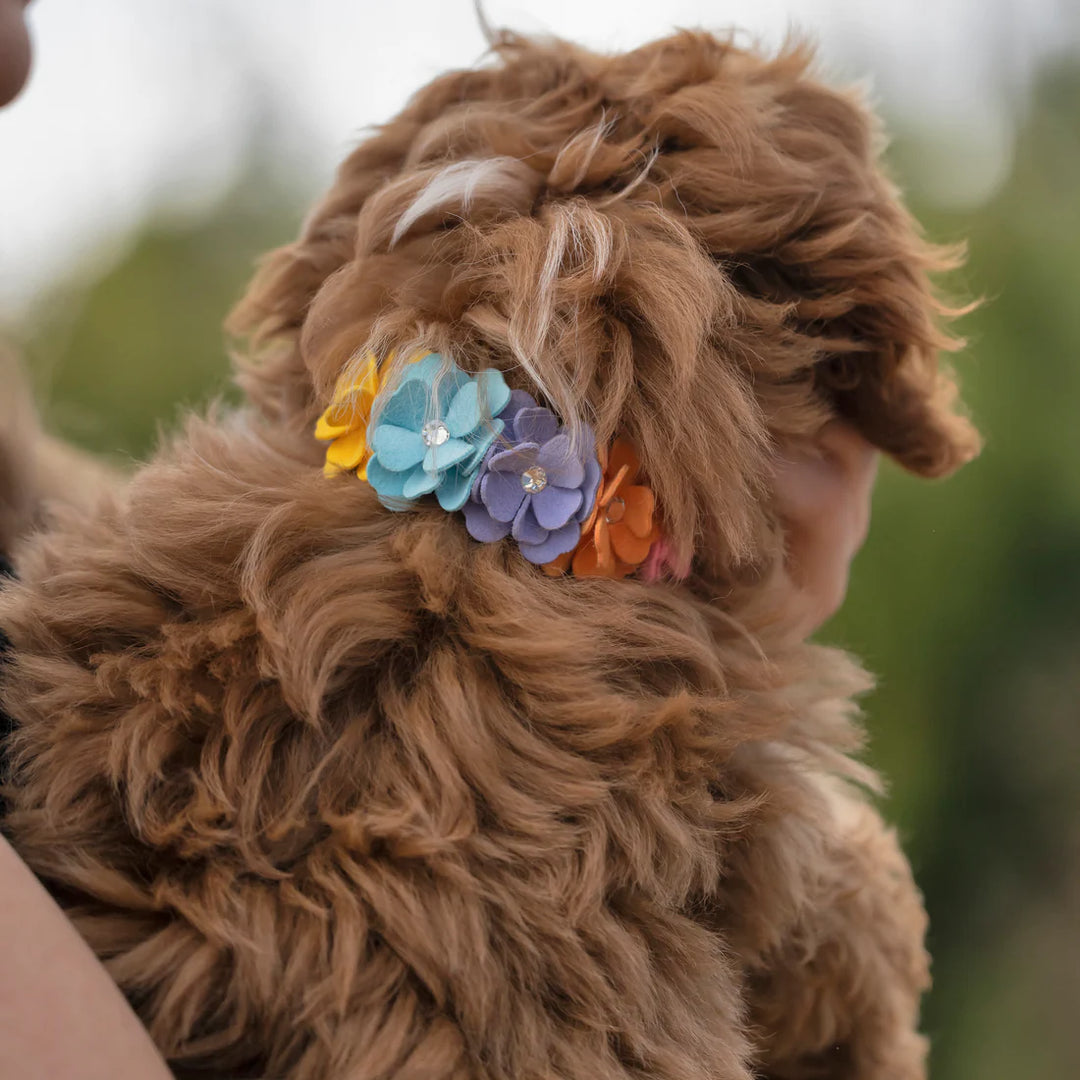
pixel 534 479
pixel 614 511
pixel 434 433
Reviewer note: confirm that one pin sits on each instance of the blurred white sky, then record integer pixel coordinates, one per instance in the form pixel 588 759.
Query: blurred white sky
pixel 141 105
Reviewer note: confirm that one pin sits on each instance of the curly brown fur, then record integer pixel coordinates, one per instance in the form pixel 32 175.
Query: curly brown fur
pixel 337 792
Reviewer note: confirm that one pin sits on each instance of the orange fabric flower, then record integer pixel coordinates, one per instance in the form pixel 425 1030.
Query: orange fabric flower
pixel 617 536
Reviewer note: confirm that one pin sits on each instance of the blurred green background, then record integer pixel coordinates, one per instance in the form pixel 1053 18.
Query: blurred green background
pixel 965 601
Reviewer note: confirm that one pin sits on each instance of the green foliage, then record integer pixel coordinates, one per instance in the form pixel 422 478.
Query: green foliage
pixel 966 601
pixel 145 343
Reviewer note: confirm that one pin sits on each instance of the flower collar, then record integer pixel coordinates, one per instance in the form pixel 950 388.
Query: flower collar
pixel 497 456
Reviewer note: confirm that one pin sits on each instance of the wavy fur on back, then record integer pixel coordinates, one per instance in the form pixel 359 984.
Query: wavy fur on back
pixel 337 792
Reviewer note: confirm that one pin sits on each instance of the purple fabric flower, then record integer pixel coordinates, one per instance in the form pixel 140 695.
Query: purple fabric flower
pixel 532 484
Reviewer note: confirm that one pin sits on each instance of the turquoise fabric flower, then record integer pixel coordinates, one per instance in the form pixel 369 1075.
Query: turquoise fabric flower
pixel 432 433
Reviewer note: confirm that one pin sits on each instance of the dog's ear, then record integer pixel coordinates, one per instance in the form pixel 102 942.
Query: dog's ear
pixel 887 375
pixel 780 178
pixel 865 275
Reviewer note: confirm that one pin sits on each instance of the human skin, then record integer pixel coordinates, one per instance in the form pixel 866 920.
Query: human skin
pixel 61 1015
pixel 14 48
pixel 822 490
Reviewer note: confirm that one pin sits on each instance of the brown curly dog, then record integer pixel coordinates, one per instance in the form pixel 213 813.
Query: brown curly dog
pixel 337 792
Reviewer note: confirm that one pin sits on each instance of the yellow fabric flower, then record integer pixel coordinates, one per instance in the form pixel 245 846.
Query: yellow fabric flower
pixel 344 424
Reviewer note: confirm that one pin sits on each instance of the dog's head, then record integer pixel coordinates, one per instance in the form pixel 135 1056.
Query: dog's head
pixel 689 246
